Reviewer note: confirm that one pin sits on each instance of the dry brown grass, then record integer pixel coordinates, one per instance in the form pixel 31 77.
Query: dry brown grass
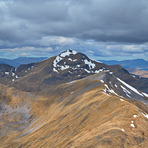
pixel 84 118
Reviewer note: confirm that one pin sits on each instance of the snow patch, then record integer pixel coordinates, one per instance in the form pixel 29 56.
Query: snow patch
pixel 90 64
pixel 87 71
pixel 67 53
pixel 121 100
pixel 98 71
pixel 116 86
pixel 57 60
pixel 13 74
pixel 75 60
pixel 6 73
pixel 69 59
pixel 135 116
pixel 64 67
pixel 55 70
pixel 16 76
pixel 71 82
pixel 122 130
pixel 132 125
pixel 146 95
pixel 125 90
pixel 128 96
pixel 107 89
pixel 145 115
pixel 130 87
pixel 102 81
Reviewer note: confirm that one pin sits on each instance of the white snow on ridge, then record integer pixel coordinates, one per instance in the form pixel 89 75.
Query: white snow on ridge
pixel 69 59
pixel 109 90
pixel 13 74
pixel 122 130
pixel 57 60
pixel 135 116
pixel 116 86
pixel 64 67
pixel 130 87
pixel 90 64
pixel 132 125
pixel 98 71
pixel 102 81
pixel 145 115
pixel 67 53
pixel 16 76
pixel 145 94
pixel 75 60
pixel 125 90
pixel 55 70
pixel 87 71
pixel 6 73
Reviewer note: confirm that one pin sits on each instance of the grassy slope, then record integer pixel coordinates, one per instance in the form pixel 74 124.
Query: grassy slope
pixel 78 116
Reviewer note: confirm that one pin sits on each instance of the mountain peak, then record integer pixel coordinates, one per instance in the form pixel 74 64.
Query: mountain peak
pixel 73 61
pixel 67 53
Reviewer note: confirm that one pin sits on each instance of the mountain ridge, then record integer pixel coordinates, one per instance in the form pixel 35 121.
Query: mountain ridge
pixel 132 64
pixel 96 109
pixel 66 67
pixel 21 60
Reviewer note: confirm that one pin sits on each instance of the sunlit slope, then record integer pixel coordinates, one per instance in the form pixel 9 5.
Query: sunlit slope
pixel 77 114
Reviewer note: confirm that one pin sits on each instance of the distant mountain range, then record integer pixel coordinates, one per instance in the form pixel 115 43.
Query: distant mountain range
pixel 21 60
pixel 139 64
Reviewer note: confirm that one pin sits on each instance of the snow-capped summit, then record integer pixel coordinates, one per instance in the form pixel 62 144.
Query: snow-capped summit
pixel 67 53
pixel 71 60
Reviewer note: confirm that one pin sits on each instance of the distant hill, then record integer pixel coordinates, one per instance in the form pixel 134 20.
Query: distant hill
pixel 132 64
pixel 9 62
pixel 21 60
pixel 141 73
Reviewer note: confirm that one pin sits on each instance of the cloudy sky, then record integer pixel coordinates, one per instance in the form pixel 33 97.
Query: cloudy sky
pixel 102 29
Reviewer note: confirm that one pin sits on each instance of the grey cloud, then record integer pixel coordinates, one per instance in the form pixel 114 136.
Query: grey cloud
pixel 118 20
pixel 30 22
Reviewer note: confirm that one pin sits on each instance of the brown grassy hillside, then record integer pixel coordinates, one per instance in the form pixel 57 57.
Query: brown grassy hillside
pixel 77 114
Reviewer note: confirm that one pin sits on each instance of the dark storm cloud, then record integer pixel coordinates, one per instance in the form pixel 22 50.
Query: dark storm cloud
pixel 34 22
pixel 101 20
